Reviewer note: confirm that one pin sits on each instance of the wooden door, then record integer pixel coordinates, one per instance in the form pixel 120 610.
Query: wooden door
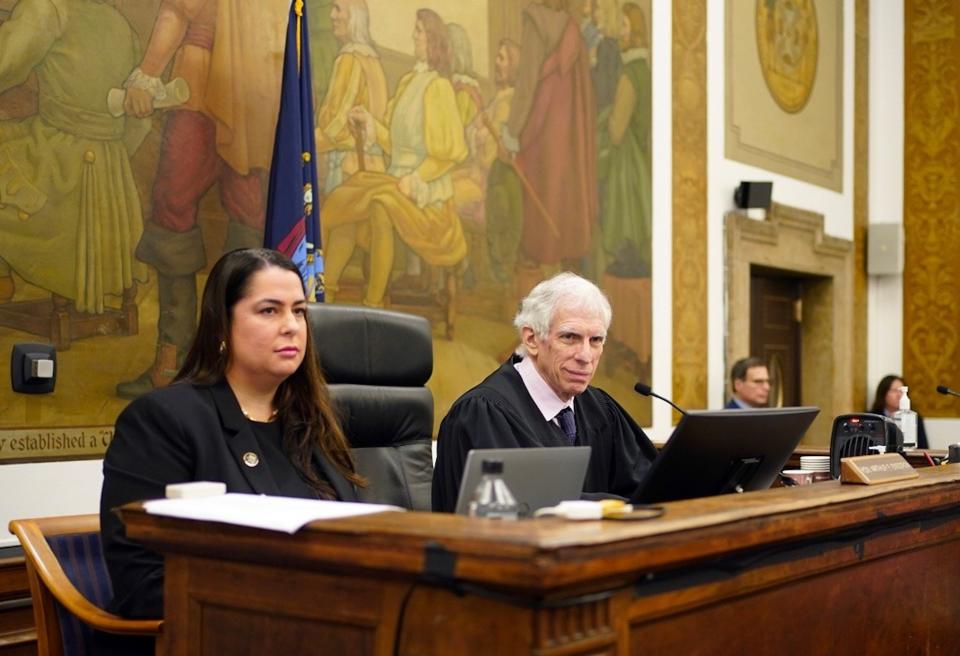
pixel 775 316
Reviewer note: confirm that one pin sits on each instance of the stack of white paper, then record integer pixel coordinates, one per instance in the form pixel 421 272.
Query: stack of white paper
pixel 259 511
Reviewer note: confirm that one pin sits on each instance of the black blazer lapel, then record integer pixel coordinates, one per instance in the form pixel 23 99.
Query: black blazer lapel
pixel 241 441
pixel 344 488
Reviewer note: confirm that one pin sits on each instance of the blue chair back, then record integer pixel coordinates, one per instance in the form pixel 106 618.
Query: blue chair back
pixel 81 557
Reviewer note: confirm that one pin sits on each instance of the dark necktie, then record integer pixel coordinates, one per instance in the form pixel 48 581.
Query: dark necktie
pixel 567 423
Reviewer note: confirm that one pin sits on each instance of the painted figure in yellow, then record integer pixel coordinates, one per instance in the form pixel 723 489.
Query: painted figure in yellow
pixel 469 178
pixel 357 80
pixel 69 208
pixel 423 136
pixel 465 85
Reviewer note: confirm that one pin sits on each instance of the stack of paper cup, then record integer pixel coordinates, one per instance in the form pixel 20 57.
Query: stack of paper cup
pixel 819 465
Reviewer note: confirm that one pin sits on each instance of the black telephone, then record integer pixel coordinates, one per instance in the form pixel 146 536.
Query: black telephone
pixel 854 434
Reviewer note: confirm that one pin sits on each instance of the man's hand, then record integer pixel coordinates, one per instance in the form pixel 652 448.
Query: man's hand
pixel 138 102
pixel 406 185
pixel 361 125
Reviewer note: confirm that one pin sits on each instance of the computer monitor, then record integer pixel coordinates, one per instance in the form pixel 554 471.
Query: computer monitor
pixel 718 451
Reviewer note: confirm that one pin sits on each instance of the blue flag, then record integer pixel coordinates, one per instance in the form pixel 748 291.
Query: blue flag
pixel 293 218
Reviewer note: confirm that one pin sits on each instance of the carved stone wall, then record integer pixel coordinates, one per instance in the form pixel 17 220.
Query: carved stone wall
pixel 792 241
pixel 690 203
pixel 931 279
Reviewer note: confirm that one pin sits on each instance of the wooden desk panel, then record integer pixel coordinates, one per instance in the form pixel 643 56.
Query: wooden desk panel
pixel 891 605
pixel 243 608
pixel 17 634
pixel 815 569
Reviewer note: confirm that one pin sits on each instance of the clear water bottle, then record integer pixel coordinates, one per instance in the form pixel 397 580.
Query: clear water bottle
pixel 907 420
pixel 492 498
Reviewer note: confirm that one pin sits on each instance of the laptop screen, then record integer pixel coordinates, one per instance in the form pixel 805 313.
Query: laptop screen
pixel 537 477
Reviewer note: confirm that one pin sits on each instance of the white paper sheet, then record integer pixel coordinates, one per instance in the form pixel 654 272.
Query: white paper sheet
pixel 260 511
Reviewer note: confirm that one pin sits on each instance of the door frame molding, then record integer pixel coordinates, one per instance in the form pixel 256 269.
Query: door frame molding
pixel 793 241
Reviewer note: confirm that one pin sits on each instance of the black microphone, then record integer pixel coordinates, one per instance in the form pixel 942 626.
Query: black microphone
pixel 643 388
pixel 943 389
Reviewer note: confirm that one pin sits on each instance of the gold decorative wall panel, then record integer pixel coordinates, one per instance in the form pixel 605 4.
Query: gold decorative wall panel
pixel 690 203
pixel 931 280
pixel 861 188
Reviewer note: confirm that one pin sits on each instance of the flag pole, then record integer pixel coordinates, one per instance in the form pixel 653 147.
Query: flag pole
pixel 298 10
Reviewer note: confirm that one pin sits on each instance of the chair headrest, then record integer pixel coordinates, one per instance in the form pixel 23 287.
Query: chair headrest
pixel 370 346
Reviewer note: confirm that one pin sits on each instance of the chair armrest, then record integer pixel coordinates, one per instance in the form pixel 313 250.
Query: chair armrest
pixel 44 562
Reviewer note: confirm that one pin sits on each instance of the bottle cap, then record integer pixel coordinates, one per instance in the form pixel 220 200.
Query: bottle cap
pixel 492 467
pixel 904 399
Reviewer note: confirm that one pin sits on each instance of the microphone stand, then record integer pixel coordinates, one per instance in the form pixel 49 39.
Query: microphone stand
pixel 943 389
pixel 641 388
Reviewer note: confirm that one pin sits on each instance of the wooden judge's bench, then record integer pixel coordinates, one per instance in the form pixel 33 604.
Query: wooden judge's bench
pixel 820 569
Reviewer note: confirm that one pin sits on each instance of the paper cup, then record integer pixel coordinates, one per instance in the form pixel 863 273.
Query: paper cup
pixel 800 476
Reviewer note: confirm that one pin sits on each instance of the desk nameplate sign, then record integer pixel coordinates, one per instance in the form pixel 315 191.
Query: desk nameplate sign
pixel 881 468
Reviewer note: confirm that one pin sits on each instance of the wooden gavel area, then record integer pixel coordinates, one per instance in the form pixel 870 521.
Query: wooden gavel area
pixel 806 570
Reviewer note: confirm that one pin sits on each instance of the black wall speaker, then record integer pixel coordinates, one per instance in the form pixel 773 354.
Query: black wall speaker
pixel 753 194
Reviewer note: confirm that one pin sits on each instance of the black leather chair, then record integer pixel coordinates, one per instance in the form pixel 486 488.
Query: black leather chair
pixel 376 363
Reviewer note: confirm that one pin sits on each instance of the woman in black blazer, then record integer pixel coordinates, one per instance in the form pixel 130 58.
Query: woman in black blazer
pixel 887 401
pixel 249 408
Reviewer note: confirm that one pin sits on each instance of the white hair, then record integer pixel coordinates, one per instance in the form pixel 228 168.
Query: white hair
pixel 358 25
pixel 462 50
pixel 566 291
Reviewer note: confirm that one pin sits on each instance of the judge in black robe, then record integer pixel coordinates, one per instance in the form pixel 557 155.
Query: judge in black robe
pixel 500 413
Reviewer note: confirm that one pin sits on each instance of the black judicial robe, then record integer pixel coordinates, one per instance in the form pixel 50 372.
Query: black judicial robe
pixel 500 413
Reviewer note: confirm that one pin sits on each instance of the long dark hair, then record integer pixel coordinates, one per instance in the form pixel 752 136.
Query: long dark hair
pixel 880 400
pixel 302 400
pixel 439 52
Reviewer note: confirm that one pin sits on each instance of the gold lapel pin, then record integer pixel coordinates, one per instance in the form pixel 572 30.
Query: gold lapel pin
pixel 251 459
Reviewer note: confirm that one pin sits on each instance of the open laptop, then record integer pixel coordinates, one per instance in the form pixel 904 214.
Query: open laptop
pixel 715 452
pixel 537 477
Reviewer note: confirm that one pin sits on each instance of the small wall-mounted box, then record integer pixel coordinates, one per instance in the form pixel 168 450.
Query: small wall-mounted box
pixel 885 249
pixel 33 368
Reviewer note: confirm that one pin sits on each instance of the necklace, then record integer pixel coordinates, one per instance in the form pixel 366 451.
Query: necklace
pixel 273 415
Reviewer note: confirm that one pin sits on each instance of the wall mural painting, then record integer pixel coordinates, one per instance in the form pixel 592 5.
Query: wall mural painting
pixel 465 151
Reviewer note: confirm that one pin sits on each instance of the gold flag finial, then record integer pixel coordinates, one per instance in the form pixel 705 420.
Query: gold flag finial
pixel 298 10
